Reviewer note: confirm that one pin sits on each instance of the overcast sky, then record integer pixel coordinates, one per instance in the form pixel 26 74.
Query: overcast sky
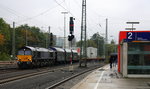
pixel 44 13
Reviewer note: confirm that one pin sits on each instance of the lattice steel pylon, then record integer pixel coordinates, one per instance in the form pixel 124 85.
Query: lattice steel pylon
pixel 83 46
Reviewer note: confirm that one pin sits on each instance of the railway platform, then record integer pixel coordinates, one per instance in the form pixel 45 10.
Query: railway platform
pixel 106 78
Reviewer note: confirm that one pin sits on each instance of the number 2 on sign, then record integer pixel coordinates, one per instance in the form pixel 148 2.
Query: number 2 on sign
pixel 130 35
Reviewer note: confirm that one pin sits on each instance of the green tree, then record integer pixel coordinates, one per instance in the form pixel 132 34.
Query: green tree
pixel 90 43
pixel 34 36
pixel 112 47
pixel 2 40
pixel 5 32
pixel 99 41
pixel 96 41
pixel 5 40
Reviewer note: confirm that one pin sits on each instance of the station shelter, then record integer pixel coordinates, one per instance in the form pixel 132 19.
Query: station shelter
pixel 134 53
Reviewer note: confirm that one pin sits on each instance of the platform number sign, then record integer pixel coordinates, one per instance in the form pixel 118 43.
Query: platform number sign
pixel 131 36
pixel 138 36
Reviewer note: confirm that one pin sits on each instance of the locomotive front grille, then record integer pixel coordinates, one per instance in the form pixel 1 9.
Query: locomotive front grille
pixel 24 58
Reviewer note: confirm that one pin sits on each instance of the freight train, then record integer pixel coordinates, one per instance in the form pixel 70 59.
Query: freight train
pixel 29 57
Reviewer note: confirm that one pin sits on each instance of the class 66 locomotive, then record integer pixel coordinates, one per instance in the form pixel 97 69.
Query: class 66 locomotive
pixel 29 57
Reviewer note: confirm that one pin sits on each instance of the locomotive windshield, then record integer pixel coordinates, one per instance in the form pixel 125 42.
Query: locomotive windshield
pixel 20 52
pixel 24 52
pixel 27 52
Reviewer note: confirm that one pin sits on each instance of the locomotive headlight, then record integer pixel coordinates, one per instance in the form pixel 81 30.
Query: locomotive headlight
pixel 30 59
pixel 19 59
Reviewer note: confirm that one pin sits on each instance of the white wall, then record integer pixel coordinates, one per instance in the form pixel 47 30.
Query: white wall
pixel 91 52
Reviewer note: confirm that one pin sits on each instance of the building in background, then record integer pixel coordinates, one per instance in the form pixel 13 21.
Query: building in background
pixel 54 40
pixel 60 42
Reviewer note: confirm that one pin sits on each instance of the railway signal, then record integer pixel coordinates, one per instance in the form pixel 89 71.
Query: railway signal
pixel 51 39
pixel 70 38
pixel 71 29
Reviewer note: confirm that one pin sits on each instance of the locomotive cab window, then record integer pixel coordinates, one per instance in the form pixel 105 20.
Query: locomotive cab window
pixel 24 52
pixel 20 52
pixel 27 52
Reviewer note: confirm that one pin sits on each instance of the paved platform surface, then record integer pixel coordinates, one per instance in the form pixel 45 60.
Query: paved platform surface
pixel 106 78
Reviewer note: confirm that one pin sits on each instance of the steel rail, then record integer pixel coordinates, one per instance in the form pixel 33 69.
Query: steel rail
pixel 29 75
pixel 69 78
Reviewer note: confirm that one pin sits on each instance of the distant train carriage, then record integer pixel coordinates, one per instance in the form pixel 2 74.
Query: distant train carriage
pixel 34 56
pixel 59 54
pixel 75 55
pixel 68 54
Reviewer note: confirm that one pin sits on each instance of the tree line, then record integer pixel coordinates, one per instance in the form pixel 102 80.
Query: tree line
pixel 33 35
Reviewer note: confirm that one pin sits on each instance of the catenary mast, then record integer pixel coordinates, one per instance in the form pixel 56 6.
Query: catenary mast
pixel 83 46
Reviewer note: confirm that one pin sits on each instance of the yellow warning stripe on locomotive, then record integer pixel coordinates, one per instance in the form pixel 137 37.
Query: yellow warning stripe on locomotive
pixel 24 58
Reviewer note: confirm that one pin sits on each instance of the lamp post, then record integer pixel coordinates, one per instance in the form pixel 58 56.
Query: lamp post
pixel 64 28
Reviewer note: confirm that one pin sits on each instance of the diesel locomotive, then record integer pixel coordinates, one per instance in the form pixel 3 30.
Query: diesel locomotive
pixel 29 57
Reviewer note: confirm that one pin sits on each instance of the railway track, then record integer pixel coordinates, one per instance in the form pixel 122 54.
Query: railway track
pixel 70 78
pixel 7 65
pixel 8 68
pixel 50 77
pixel 7 62
pixel 37 73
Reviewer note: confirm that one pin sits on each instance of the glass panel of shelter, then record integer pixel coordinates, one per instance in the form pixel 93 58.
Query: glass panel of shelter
pixel 138 58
